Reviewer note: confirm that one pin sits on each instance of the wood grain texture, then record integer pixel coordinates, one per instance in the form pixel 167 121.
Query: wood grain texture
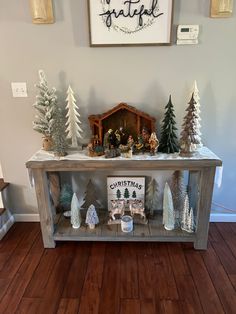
pixel 220 280
pixel 15 292
pixel 165 282
pixel 204 285
pixel 129 306
pixel 104 277
pixel 206 184
pixel 44 206
pixel 110 292
pixel 129 274
pixel 68 306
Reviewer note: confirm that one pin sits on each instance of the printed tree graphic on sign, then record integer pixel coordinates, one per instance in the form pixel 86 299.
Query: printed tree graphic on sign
pixel 126 193
pixel 134 195
pixel 118 194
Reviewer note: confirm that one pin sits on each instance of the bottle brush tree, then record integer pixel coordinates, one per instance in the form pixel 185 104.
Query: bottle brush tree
pixel 168 142
pixel 58 133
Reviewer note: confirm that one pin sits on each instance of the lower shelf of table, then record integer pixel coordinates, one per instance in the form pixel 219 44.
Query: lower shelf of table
pixel 153 231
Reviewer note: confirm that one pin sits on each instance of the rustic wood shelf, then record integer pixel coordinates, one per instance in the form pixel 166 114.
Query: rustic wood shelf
pixel 153 231
pixel 201 169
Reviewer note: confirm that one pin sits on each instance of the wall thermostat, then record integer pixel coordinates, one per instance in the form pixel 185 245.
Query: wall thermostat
pixel 187 34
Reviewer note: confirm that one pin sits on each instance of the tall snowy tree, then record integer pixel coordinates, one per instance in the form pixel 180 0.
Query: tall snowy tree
pixel 185 214
pixel 45 105
pixel 189 136
pixel 73 129
pixel 168 142
pixel 75 212
pixel 168 209
pixel 58 133
pixel 178 190
pixel 198 112
pixel 90 196
pixel 151 197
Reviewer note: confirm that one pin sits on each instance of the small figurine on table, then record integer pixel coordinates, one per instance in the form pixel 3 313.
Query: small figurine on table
pixel 143 141
pixel 110 144
pixel 154 143
pixel 95 148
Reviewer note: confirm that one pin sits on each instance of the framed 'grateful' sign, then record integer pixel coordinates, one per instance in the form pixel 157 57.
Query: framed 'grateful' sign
pixel 130 22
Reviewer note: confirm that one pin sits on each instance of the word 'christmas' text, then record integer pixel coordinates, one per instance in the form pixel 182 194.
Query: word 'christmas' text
pixel 127 183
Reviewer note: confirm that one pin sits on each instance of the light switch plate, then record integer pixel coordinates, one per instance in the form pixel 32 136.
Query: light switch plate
pixel 19 89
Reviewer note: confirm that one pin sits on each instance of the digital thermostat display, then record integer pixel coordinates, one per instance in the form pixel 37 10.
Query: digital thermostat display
pixel 184 30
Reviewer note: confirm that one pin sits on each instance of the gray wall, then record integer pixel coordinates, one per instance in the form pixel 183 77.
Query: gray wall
pixel 102 77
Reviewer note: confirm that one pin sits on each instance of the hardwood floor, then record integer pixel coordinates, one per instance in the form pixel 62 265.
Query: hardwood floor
pixel 112 278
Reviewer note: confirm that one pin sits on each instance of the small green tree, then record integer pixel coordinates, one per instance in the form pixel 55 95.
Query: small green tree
pixel 66 196
pixel 168 141
pixel 134 195
pixel 118 194
pixel 126 193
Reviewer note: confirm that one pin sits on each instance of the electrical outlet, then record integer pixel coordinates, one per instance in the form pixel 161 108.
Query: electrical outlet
pixel 19 89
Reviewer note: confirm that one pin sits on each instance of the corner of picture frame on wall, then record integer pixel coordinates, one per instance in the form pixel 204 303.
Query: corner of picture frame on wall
pixel 221 8
pixel 129 22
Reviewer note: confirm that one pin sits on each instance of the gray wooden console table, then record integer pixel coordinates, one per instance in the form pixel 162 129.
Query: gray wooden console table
pixel 54 227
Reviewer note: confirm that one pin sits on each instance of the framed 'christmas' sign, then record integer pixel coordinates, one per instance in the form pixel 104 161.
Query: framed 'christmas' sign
pixel 130 22
pixel 125 188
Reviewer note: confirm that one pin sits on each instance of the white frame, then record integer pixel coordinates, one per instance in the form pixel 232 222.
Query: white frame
pixel 126 31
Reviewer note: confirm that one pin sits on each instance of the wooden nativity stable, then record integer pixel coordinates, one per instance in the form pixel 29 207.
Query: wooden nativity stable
pixel 123 115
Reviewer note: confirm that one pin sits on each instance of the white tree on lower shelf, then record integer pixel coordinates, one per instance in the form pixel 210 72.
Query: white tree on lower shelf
pixel 75 212
pixel 168 209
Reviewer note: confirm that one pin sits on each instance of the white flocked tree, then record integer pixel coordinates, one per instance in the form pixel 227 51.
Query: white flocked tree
pixel 168 209
pixel 198 112
pixel 45 105
pixel 75 212
pixel 73 128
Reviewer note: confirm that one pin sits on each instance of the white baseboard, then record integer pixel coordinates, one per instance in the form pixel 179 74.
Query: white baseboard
pixel 222 217
pixel 6 227
pixel 26 217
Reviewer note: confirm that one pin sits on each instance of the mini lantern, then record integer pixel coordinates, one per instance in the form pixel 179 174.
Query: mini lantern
pixel 42 11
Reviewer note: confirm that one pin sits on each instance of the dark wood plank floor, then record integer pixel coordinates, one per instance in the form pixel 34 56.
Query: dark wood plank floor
pixel 112 278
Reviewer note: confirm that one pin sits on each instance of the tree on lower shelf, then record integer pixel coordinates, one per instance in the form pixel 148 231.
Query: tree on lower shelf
pixel 168 209
pixel 91 217
pixel 75 212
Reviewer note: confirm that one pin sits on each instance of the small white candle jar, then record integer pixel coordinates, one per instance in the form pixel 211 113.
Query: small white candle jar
pixel 127 223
